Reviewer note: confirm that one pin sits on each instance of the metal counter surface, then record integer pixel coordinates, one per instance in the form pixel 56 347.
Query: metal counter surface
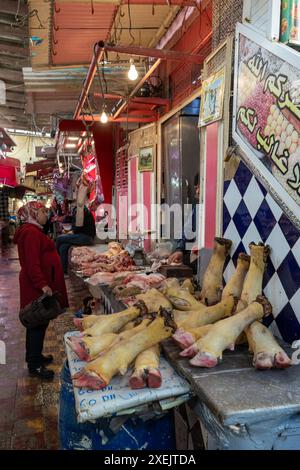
pixel 235 392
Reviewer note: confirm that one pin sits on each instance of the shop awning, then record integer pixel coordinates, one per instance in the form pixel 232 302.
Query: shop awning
pixel 8 171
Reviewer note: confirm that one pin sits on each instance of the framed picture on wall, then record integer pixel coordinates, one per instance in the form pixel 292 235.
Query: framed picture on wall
pixel 212 97
pixel 146 159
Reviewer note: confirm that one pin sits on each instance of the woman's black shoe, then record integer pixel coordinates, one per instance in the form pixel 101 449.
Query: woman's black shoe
pixel 47 359
pixel 42 373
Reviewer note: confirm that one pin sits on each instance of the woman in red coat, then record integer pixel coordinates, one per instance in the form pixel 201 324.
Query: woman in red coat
pixel 41 272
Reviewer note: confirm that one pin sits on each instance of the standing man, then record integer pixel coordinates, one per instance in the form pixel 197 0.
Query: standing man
pixel 81 236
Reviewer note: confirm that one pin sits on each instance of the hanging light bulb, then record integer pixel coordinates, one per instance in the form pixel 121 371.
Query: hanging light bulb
pixel 104 117
pixel 132 72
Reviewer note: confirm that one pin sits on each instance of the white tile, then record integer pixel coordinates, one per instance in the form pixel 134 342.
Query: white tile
pixel 274 207
pixel 232 198
pixel 275 330
pixel 233 235
pixel 296 251
pixel 228 272
pixel 252 235
pixel 275 292
pixel 279 246
pixel 295 303
pixel 253 197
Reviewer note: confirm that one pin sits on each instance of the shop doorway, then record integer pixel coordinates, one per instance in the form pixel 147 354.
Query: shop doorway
pixel 180 161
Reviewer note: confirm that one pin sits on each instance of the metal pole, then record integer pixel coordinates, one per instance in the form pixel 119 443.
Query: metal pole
pixel 97 57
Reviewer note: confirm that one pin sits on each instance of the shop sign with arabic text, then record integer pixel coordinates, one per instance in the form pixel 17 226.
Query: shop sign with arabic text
pixel 266 114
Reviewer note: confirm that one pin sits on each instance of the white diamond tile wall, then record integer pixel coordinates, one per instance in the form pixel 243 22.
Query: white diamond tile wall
pixel 250 214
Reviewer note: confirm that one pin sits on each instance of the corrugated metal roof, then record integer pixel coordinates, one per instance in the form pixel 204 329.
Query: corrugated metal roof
pixel 76 28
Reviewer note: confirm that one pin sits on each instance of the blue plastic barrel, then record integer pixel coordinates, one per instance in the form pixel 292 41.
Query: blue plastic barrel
pixel 134 434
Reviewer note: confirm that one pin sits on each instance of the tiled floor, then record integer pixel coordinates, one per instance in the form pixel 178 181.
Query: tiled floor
pixel 28 406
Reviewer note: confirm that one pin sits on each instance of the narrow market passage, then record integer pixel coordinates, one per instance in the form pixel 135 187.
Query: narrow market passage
pixel 29 406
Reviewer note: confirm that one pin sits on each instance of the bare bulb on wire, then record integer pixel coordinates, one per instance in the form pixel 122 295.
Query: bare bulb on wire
pixel 132 72
pixel 103 117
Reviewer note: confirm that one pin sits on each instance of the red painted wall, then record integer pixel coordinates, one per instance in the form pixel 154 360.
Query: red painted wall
pixel 103 136
pixel 211 183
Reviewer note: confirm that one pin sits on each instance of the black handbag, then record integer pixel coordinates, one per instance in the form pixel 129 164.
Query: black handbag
pixel 41 311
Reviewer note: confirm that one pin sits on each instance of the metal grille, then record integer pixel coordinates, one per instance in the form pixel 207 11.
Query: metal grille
pixel 216 62
pixel 186 78
pixel 226 13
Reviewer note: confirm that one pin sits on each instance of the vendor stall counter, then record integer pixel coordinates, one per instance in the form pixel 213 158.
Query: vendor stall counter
pixel 237 406
pixel 241 408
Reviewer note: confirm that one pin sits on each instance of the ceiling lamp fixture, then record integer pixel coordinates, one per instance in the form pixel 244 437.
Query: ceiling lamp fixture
pixel 132 72
pixel 103 117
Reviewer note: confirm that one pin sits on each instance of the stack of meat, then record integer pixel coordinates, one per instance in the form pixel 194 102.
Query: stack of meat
pixel 203 329
pixel 115 259
pixel 133 284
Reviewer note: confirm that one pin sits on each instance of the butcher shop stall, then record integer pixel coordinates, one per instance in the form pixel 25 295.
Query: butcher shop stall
pixel 205 359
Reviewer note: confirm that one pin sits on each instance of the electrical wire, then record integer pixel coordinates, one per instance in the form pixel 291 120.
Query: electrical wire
pixel 130 25
pixel 20 22
pixel 98 73
pixel 103 74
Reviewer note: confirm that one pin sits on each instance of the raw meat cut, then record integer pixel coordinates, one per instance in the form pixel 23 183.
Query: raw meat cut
pixel 209 314
pixel 114 322
pixel 235 284
pixel 266 350
pixel 101 278
pixel 181 299
pixel 208 349
pixel 267 353
pixel 88 348
pixel 153 300
pixel 253 282
pixel 86 322
pixel 188 284
pixel 98 374
pixel 146 369
pixel 185 338
pixel 213 277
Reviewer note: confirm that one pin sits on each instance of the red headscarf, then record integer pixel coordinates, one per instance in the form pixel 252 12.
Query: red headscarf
pixel 28 213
